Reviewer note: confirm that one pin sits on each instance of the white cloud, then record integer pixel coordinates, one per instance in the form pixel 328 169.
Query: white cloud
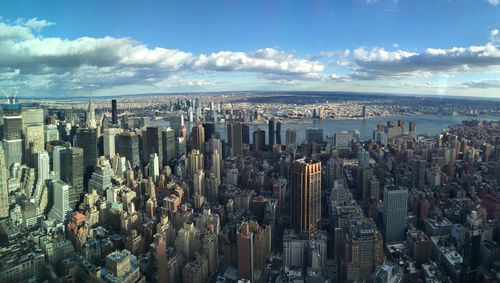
pixel 35 24
pixel 494 2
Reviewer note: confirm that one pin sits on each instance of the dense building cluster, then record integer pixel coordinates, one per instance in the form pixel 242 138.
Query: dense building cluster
pixel 113 197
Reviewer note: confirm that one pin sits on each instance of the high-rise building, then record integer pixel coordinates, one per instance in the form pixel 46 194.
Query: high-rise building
pixel 259 140
pixel 278 132
pixel 61 203
pixel 86 138
pixel 154 166
pixel 245 133
pixel 152 143
pixel 254 246
pixel 128 146
pixel 271 132
pixel 12 132
pixel 198 137
pixel 394 213
pixel 176 122
pixel 291 137
pixel 72 171
pixel 42 166
pixel 169 147
pixel 209 130
pixel 114 112
pixel 235 137
pixel 418 173
pixel 90 121
pixel 4 190
pixel 110 137
pixel 305 196
pixel 472 247
pixel 314 135
pixel 195 162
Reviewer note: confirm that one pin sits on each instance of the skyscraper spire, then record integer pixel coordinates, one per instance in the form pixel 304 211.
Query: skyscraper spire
pixel 91 123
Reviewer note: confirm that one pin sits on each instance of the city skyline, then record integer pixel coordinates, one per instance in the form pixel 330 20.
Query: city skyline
pixel 444 48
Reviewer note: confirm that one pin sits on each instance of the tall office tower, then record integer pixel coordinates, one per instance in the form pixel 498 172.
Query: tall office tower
pixel 197 109
pixel 61 202
pixel 114 112
pixel 305 196
pixel 86 138
pixel 216 159
pixel 418 173
pixel 42 166
pixel 210 246
pixel 209 130
pixel 154 166
pixel 363 112
pixel 314 135
pixel 363 157
pixel 198 138
pixel 271 132
pixel 278 132
pixel 199 183
pixel 401 125
pixel 90 119
pixel 152 143
pixel 472 247
pixel 259 140
pixel 412 131
pixel 128 146
pixel 100 181
pixel 395 213
pixel 245 133
pixel 214 144
pixel 291 137
pixel 195 162
pixel 254 246
pixel 12 132
pixel 51 133
pixel 168 140
pixel 110 136
pixel 4 190
pixel 364 174
pixel 176 122
pixel 32 133
pixel 58 160
pixel 235 137
pixel 334 171
pixel 72 173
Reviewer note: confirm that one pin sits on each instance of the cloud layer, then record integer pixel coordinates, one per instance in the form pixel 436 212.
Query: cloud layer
pixel 30 60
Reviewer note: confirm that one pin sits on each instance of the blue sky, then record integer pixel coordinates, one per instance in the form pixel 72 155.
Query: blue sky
pixel 437 47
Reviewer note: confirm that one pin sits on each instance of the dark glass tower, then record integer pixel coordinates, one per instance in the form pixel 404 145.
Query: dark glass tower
pixel 278 132
pixel 87 139
pixel 72 173
pixel 245 133
pixel 152 143
pixel 114 113
pixel 168 139
pixel 128 146
pixel 271 132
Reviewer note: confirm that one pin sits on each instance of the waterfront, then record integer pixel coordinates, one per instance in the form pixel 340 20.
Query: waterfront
pixel 427 124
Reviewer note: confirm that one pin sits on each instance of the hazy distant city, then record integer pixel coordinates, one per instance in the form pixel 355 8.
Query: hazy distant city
pixel 250 141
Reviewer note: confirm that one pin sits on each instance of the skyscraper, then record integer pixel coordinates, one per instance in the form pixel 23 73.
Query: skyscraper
pixel 395 213
pixel 61 202
pixel 198 137
pixel 209 130
pixel 128 146
pixel 90 121
pixel 271 132
pixel 278 132
pixel 254 246
pixel 152 143
pixel 114 112
pixel 12 132
pixel 110 136
pixel 291 137
pixel 305 196
pixel 72 171
pixel 259 140
pixel 86 138
pixel 168 140
pixel 154 166
pixel 235 138
pixel 314 135
pixel 4 190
